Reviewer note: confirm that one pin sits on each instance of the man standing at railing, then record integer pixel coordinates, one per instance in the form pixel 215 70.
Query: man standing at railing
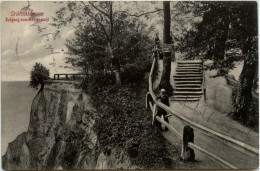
pixel 161 112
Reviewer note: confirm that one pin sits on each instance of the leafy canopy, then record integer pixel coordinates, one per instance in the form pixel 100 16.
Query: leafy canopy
pixel 39 74
pixel 223 34
pixel 107 33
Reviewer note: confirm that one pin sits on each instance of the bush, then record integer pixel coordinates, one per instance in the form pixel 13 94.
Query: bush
pixel 124 122
pixel 39 74
pixel 146 65
pixel 134 73
pixel 94 83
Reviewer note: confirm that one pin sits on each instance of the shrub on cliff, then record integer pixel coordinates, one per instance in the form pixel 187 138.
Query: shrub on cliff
pixel 134 73
pixel 123 122
pixel 39 74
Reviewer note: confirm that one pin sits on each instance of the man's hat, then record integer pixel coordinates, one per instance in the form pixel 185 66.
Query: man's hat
pixel 163 90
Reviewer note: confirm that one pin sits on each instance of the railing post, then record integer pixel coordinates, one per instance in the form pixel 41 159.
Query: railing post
pixel 187 154
pixel 204 86
pixel 204 91
pixel 154 113
pixel 146 100
pixel 58 76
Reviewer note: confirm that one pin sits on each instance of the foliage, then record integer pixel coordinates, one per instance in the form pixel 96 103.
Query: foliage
pixel 246 36
pixel 246 115
pixel 39 74
pixel 228 33
pixel 245 109
pixel 122 120
pixel 134 73
pixel 222 32
pixel 92 56
pixel 121 110
pixel 108 34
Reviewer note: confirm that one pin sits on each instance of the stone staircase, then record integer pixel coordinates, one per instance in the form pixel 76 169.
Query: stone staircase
pixel 188 81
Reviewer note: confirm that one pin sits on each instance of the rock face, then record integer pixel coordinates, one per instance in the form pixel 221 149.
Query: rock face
pixel 60 134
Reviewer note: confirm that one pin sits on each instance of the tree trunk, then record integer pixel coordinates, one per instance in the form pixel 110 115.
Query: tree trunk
pixel 221 44
pixel 115 65
pixel 165 80
pixel 244 103
pixel 115 61
pixel 42 86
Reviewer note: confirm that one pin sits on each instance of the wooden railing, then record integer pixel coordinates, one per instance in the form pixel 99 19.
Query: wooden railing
pixel 203 81
pixel 68 76
pixel 153 104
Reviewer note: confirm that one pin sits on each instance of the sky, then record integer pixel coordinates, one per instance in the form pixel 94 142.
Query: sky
pixel 22 45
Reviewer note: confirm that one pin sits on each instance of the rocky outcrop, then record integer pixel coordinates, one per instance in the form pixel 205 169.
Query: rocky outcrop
pixel 17 154
pixel 61 134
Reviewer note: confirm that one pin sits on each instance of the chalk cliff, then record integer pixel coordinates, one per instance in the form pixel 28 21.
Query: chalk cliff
pixel 61 135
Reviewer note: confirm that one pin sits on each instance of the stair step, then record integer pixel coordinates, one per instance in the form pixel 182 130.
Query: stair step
pixel 188 75
pixel 184 73
pixel 188 92
pixel 188 82
pixel 197 68
pixel 183 69
pixel 189 71
pixel 190 62
pixel 188 85
pixel 188 65
pixel 184 97
pixel 188 78
pixel 189 99
pixel 188 89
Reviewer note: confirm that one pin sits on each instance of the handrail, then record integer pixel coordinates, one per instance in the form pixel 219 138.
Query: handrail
pixel 203 83
pixel 180 116
pixel 201 127
pixel 194 146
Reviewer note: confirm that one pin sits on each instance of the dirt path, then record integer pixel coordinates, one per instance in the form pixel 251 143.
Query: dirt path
pixel 201 112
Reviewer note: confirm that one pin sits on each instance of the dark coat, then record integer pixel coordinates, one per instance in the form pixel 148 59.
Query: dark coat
pixel 165 100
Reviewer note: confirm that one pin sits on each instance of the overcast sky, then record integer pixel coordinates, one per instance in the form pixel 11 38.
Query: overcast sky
pixel 31 45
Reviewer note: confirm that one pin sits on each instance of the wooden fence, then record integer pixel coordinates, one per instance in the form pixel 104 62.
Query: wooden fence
pixel 187 138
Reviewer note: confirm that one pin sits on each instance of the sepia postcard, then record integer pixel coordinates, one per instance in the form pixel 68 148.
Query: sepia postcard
pixel 97 85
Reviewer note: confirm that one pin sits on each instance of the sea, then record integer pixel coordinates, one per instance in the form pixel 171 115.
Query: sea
pixel 16 100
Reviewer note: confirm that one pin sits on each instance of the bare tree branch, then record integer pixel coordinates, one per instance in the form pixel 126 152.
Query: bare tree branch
pixel 139 15
pixel 101 25
pixel 98 9
pixel 111 20
pixel 78 29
